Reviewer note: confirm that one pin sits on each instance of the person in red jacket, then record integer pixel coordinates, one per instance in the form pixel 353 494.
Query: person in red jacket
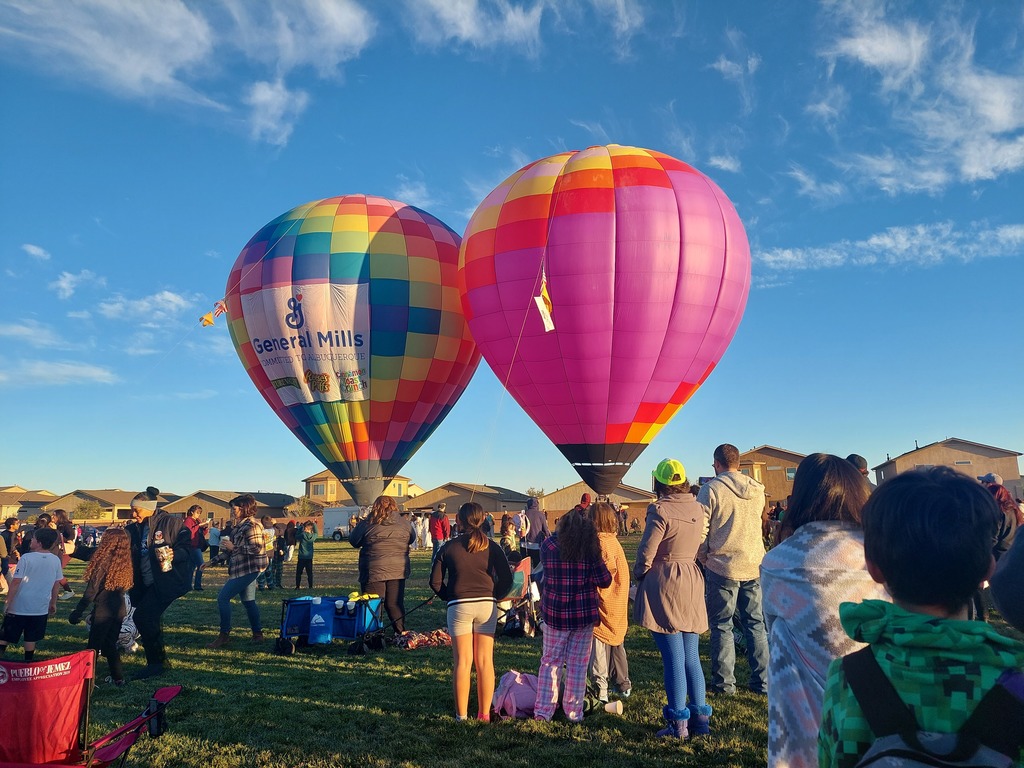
pixel 440 528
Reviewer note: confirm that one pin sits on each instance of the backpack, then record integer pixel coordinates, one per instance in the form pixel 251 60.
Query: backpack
pixel 991 737
pixel 515 695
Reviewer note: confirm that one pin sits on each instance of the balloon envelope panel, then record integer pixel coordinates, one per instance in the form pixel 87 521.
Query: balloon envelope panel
pixel 648 270
pixel 346 315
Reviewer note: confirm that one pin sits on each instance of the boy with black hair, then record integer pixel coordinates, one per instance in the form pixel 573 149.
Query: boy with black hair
pixel 33 593
pixel 928 539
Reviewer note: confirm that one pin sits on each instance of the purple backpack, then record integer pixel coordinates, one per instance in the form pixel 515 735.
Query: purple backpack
pixel 515 695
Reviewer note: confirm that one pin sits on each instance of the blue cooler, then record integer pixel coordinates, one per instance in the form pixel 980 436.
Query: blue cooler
pixel 365 618
pixel 295 617
pixel 321 622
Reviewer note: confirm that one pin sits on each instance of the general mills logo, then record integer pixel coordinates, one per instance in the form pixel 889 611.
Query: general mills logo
pixel 3 675
pixel 295 319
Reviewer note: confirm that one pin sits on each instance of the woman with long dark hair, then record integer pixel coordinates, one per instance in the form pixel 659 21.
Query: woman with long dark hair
pixel 471 573
pixel 670 597
pixel 573 572
pixel 383 539
pixel 818 564
pixel 246 555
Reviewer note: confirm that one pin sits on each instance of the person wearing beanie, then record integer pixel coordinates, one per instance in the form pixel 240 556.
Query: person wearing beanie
pixel 155 589
pixel 670 598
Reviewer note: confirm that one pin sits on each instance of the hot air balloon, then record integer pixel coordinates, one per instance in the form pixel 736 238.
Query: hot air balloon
pixel 646 269
pixel 346 316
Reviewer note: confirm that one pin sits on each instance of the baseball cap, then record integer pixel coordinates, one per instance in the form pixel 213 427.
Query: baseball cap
pixel 991 477
pixel 670 472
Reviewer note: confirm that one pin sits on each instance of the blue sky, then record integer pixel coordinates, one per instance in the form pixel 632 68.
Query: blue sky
pixel 873 150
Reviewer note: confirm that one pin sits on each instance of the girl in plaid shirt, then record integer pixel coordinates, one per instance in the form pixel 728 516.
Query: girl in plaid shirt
pixel 573 571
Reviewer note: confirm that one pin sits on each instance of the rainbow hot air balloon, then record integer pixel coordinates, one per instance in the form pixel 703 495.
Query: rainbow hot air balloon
pixel 642 267
pixel 346 316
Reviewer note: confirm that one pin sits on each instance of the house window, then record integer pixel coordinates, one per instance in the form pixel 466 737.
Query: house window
pixel 774 469
pixel 958 463
pixel 745 471
pixel 399 486
pixel 790 474
pixel 317 489
pixel 332 489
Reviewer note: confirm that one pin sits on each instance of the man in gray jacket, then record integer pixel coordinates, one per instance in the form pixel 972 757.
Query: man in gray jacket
pixel 731 552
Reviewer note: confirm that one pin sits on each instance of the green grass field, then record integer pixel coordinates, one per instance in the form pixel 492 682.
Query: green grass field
pixel 244 706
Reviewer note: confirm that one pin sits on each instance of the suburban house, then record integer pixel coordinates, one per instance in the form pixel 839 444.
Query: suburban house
pixel 774 467
pixel 325 489
pixel 973 459
pixel 492 498
pixel 557 503
pixel 22 503
pixel 106 506
pixel 216 504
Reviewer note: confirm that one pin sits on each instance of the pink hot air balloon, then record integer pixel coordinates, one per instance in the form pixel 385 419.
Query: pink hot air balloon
pixel 647 270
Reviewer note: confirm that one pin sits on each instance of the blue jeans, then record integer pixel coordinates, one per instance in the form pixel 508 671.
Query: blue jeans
pixel 246 587
pixel 197 560
pixel 724 597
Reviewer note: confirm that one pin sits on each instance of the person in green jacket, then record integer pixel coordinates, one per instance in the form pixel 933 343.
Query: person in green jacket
pixel 304 540
pixel 928 539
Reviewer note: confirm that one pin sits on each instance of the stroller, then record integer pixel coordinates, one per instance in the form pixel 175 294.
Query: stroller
pixel 517 613
pixel 46 703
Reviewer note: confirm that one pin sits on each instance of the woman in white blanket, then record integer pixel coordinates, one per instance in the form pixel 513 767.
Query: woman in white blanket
pixel 818 565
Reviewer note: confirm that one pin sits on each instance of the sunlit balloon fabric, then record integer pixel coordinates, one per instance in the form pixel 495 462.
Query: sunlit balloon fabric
pixel 647 268
pixel 346 315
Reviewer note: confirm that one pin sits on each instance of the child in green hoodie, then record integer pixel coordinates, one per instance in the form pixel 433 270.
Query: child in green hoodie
pixel 928 539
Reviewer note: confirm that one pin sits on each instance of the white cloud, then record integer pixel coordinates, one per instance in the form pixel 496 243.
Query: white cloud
pixel 831 106
pixel 725 162
pixel 595 129
pixel 739 67
pixel 273 111
pixel 896 51
pixel 67 283
pixel 44 373
pixel 32 333
pixel 414 193
pixel 149 310
pixel 920 245
pixel 130 49
pixel 286 34
pixel 82 314
pixel 479 23
pixel 809 186
pixel 951 118
pixel 36 252
pixel 626 17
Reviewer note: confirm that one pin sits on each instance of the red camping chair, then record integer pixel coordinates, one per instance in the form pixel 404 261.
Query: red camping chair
pixel 44 707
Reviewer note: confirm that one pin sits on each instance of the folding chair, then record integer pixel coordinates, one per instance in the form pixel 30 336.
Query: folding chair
pixel 44 707
pixel 517 612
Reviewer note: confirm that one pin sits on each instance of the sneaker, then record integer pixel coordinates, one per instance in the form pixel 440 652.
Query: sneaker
pixel 625 694
pixel 67 594
pixel 111 681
